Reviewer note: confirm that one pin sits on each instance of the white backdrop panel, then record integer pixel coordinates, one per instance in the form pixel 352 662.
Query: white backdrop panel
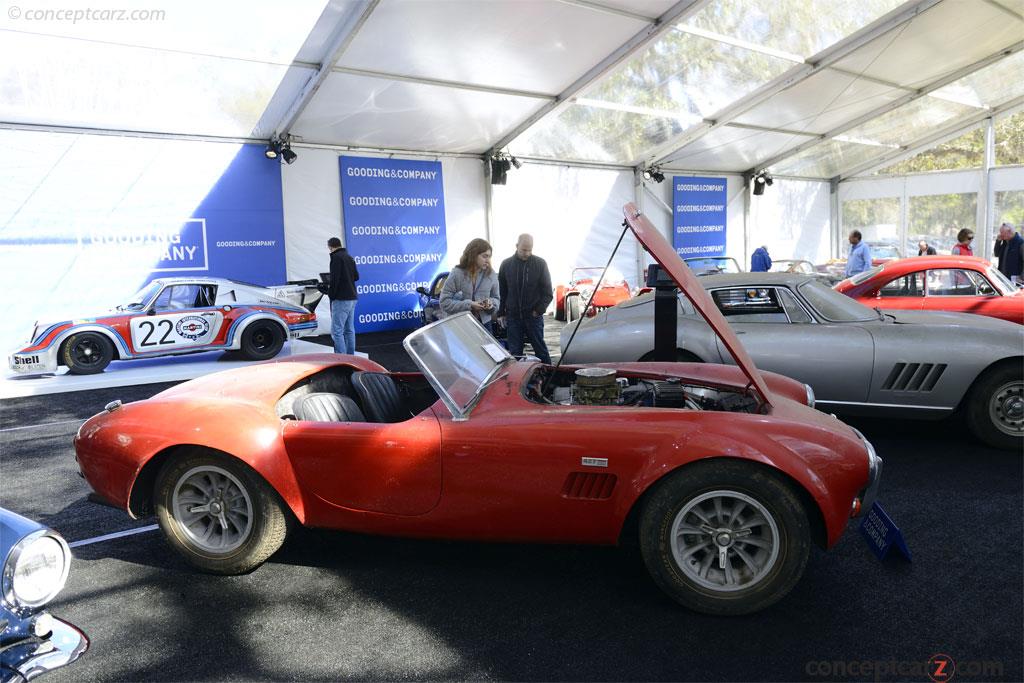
pixel 574 215
pixel 312 211
pixel 792 219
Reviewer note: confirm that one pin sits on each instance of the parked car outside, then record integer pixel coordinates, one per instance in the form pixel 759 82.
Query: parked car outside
pixel 174 316
pixel 859 360
pixel 36 561
pixel 963 284
pixel 726 473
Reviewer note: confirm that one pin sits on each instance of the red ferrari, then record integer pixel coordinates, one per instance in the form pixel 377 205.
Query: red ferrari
pixel 725 474
pixel 570 299
pixel 962 284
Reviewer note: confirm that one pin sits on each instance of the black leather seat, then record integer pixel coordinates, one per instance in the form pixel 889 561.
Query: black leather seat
pixel 380 397
pixel 325 407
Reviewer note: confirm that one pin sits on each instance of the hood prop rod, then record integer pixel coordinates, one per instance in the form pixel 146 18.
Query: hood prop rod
pixel 597 285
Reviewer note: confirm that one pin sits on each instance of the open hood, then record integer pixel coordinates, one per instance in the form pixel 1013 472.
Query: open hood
pixel 667 258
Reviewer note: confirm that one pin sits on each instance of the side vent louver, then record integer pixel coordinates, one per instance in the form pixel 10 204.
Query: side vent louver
pixel 913 377
pixel 588 486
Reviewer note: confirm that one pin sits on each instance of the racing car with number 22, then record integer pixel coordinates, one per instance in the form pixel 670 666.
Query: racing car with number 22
pixel 175 316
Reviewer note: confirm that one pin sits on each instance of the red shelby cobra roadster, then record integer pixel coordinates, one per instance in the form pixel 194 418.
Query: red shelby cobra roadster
pixel 727 474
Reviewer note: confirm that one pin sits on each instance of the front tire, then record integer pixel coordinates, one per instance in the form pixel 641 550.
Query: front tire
pixel 218 513
pixel 87 353
pixel 262 340
pixel 573 308
pixel 995 407
pixel 725 537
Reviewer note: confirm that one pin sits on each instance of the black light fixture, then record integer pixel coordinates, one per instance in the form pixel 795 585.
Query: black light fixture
pixel 281 150
pixel 501 162
pixel 654 173
pixel 761 180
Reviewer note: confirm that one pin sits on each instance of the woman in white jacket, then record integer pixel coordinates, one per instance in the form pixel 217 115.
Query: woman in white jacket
pixel 472 285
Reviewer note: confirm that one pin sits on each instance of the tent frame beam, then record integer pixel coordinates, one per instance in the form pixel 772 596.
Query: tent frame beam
pixel 950 132
pixel 657 27
pixel 344 33
pixel 896 104
pixel 793 76
pixel 443 83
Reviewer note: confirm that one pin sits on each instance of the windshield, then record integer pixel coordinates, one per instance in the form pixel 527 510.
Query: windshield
pixel 458 357
pixel 833 306
pixel 866 275
pixel 139 299
pixel 712 265
pixel 1002 282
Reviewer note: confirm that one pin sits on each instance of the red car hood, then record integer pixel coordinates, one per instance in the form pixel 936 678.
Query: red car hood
pixel 667 258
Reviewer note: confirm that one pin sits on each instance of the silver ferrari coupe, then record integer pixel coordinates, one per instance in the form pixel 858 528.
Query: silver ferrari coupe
pixel 858 360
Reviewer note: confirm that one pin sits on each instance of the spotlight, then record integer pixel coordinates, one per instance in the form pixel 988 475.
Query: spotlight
pixel 518 164
pixel 281 150
pixel 761 180
pixel 654 173
pixel 499 170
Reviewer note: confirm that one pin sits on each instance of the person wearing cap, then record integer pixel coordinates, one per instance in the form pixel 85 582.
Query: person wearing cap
pixel 1009 249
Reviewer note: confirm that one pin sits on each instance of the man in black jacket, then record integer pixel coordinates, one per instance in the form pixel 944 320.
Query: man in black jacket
pixel 524 286
pixel 342 292
pixel 1009 249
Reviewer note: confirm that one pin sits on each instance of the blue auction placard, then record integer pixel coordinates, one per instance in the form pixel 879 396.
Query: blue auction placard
pixel 395 230
pixel 698 216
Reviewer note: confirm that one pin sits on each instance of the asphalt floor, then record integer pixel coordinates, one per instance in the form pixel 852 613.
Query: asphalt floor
pixel 337 606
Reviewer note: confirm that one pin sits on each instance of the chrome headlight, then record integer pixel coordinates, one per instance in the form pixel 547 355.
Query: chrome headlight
pixel 810 395
pixel 35 570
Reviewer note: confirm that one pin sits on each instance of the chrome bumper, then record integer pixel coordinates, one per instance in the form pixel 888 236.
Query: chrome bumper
pixel 869 494
pixel 34 657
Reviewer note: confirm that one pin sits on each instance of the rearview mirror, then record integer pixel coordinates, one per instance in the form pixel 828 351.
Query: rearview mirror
pixel 422 290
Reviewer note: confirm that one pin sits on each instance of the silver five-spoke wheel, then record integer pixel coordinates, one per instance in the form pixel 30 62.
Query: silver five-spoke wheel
pixel 725 540
pixel 213 509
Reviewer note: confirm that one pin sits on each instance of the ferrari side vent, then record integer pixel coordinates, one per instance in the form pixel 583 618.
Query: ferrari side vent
pixel 913 377
pixel 588 486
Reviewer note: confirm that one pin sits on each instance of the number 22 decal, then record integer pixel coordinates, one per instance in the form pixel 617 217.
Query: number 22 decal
pixel 152 328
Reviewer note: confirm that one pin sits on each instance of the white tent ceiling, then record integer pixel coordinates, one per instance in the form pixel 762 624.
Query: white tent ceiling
pixel 819 89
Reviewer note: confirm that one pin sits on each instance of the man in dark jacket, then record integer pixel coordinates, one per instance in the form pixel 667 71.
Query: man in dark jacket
pixel 342 292
pixel 524 285
pixel 1009 250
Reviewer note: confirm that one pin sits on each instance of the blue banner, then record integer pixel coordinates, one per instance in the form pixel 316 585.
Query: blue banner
pixel 395 231
pixel 698 216
pixel 236 232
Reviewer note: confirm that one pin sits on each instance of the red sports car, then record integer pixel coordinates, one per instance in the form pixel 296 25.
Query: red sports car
pixel 570 299
pixel 962 284
pixel 725 474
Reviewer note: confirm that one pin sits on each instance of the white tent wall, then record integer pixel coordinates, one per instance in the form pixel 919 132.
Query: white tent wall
pixel 312 210
pixel 70 216
pixel 573 213
pixel 904 189
pixel 660 212
pixel 793 219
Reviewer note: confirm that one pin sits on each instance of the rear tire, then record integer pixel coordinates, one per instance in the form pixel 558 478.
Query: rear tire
pixel 731 511
pixel 87 353
pixel 262 340
pixel 218 513
pixel 995 407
